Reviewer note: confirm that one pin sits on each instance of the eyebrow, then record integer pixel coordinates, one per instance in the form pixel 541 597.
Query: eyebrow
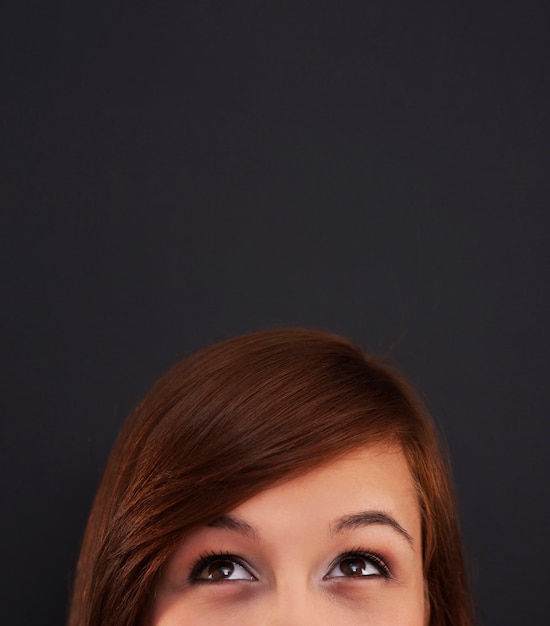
pixel 339 526
pixel 228 522
pixel 369 518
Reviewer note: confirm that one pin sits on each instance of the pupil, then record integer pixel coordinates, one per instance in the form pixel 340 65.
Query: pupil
pixel 220 570
pixel 352 566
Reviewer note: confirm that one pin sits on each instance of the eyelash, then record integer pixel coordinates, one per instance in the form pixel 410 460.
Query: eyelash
pixel 372 557
pixel 207 558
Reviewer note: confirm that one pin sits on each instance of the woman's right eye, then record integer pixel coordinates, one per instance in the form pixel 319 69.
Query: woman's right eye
pixel 219 568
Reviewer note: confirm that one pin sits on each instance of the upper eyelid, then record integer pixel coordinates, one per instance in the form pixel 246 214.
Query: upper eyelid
pixel 206 559
pixel 368 555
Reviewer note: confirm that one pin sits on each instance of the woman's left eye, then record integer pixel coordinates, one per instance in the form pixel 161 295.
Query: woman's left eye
pixel 354 565
pixel 220 568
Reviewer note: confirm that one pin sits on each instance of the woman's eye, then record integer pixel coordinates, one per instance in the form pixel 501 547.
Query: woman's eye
pixel 358 565
pixel 220 568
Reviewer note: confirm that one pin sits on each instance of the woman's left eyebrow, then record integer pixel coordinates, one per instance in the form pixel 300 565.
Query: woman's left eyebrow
pixel 368 518
pixel 229 522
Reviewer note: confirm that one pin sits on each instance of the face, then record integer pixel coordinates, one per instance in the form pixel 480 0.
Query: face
pixel 339 545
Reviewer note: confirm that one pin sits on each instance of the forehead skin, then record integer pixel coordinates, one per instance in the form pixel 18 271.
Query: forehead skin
pixel 294 533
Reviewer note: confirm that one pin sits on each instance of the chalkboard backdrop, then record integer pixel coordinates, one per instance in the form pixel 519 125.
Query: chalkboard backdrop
pixel 178 173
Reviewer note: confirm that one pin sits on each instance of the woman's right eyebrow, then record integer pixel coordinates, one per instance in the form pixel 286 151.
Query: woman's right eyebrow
pixel 230 522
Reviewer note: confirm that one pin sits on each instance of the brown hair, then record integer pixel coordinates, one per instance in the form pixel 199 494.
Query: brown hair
pixel 234 419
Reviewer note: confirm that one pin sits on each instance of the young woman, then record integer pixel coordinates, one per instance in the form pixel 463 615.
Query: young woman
pixel 277 478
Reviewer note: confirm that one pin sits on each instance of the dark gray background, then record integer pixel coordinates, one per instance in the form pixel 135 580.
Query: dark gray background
pixel 175 174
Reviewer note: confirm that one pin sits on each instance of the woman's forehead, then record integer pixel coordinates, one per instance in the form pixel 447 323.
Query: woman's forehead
pixel 372 478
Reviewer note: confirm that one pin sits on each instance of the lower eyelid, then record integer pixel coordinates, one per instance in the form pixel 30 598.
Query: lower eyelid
pixel 371 558
pixel 376 561
pixel 204 561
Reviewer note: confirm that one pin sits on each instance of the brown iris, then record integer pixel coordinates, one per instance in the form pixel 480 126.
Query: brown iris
pixel 220 570
pixel 353 566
